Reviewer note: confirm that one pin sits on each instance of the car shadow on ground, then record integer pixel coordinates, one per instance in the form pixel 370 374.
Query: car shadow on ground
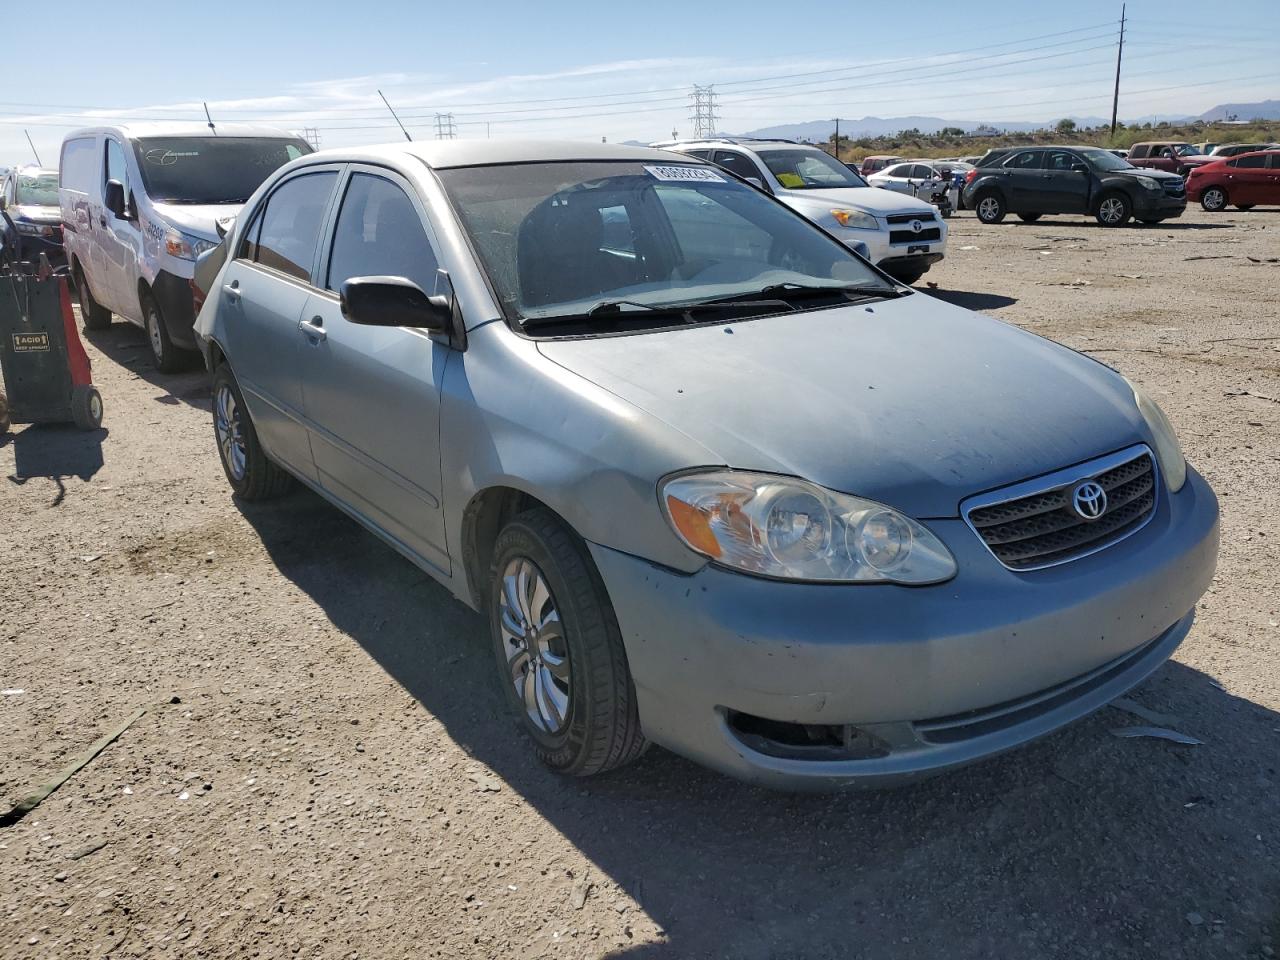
pixel 56 452
pixel 1083 844
pixel 126 345
pixel 971 300
pixel 1092 224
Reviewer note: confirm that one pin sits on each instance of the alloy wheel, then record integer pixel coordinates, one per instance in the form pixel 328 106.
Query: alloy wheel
pixel 1214 199
pixel 227 425
pixel 534 643
pixel 1112 210
pixel 988 208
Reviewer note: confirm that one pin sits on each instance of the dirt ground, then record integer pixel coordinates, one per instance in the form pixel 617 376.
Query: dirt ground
pixel 339 778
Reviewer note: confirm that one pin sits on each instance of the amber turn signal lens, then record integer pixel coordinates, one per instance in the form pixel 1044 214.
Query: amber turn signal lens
pixel 694 525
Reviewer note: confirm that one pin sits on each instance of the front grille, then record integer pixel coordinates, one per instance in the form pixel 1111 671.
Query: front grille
pixel 1175 188
pixel 910 236
pixel 1042 528
pixel 908 217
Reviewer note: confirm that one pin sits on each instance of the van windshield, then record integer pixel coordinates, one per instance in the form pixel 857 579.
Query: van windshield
pixel 211 169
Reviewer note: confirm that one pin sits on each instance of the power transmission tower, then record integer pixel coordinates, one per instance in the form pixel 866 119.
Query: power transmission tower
pixel 1115 101
pixel 312 136
pixel 704 114
pixel 446 129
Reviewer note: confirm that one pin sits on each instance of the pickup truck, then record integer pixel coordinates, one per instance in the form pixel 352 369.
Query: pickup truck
pixel 1171 156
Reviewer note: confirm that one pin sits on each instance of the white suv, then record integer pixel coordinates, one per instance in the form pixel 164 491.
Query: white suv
pixel 902 235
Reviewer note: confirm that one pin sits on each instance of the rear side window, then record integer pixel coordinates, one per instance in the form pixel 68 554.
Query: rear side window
pixel 1027 160
pixel 78 167
pixel 290 226
pixel 737 163
pixel 1255 162
pixel 379 233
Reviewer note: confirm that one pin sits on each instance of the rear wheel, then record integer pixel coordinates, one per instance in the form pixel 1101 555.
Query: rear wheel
pixel 1029 217
pixel 1114 210
pixel 249 470
pixel 559 651
pixel 86 408
pixel 1214 199
pixel 990 208
pixel 93 314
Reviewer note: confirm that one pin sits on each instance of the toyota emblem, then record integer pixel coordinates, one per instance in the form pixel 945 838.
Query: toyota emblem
pixel 916 226
pixel 1089 500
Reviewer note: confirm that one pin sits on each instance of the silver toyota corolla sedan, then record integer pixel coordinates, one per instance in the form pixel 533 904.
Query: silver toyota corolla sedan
pixel 717 483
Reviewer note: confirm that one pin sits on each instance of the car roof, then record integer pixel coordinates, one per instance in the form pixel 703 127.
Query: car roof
pixel 442 154
pixel 182 129
pixel 731 142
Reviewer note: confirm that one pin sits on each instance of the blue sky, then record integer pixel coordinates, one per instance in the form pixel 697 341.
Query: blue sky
pixel 617 70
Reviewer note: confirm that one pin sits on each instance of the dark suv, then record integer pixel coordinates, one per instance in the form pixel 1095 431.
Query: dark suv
pixel 1088 180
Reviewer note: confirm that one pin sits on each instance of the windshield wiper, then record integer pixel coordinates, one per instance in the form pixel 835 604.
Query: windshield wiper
pixel 802 291
pixel 611 311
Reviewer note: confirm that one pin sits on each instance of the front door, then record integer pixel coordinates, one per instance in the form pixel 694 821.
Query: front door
pixel 121 240
pixel 372 394
pixel 265 289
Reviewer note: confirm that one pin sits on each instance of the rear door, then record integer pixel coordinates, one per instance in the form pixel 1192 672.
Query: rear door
pixel 1249 179
pixel 1062 188
pixel 1024 181
pixel 372 394
pixel 264 291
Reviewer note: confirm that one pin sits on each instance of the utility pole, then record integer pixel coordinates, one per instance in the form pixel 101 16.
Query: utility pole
pixel 836 140
pixel 1115 101
pixel 704 114
pixel 446 129
pixel 395 118
pixel 33 148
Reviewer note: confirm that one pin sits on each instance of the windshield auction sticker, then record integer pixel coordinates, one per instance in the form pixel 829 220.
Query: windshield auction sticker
pixel 684 174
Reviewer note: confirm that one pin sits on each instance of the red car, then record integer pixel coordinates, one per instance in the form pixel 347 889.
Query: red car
pixel 1245 180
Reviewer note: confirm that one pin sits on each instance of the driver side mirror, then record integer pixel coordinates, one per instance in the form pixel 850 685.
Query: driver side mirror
pixel 394 302
pixel 1079 167
pixel 113 198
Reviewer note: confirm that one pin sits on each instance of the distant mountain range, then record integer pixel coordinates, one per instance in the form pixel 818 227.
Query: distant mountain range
pixel 820 130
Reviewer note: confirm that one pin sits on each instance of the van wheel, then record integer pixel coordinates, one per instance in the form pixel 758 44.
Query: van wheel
pixel 1214 199
pixel 558 649
pixel 92 314
pixel 1114 210
pixel 990 208
pixel 1028 217
pixel 86 408
pixel 166 357
pixel 250 472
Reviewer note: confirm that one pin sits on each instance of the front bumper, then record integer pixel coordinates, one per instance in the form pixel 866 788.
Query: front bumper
pixel 1028 652
pixel 1159 205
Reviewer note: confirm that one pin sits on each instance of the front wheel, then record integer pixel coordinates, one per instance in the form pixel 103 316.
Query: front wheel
pixel 251 473
pixel 559 651
pixel 166 357
pixel 1214 199
pixel 1114 210
pixel 990 208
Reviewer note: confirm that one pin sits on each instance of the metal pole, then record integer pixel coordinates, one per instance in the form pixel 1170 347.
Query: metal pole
pixel 1115 101
pixel 33 148
pixel 397 119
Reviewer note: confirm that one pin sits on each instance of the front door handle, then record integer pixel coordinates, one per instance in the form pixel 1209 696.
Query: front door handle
pixel 313 328
pixel 232 290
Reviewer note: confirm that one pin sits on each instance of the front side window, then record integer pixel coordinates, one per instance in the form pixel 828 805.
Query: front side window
pixel 379 233
pixel 809 170
pixel 207 170
pixel 289 231
pixel 115 168
pixel 1060 160
pixel 738 164
pixel 559 239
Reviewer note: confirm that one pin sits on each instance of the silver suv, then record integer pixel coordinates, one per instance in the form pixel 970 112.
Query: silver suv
pixel 901 235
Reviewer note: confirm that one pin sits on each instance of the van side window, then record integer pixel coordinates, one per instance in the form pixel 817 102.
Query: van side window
pixel 77 169
pixel 290 230
pixel 379 233
pixel 116 169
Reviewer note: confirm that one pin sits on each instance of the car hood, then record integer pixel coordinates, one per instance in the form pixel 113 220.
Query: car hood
pixel 35 214
pixel 875 200
pixel 910 402
pixel 1151 172
pixel 197 219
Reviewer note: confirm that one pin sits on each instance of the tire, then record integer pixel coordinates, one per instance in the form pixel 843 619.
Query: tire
pixel 251 473
pixel 1114 210
pixel 580 710
pixel 1214 199
pixel 990 207
pixel 1029 217
pixel 5 422
pixel 1244 207
pixel 86 408
pixel 92 314
pixel 164 355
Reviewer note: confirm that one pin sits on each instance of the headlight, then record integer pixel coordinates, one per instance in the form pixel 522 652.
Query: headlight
pixel 1172 463
pixel 33 229
pixel 184 246
pixel 1150 183
pixel 790 529
pixel 856 218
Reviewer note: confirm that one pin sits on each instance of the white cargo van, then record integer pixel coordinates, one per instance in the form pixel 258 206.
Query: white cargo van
pixel 141 202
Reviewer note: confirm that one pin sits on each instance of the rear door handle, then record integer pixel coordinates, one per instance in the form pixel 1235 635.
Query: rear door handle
pixel 313 328
pixel 232 290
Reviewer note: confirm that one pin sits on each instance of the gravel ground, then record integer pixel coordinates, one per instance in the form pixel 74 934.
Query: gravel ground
pixel 337 777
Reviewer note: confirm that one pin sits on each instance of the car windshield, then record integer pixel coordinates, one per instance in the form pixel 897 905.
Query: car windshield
pixel 40 190
pixel 211 169
pixel 1104 159
pixel 1185 150
pixel 596 239
pixel 809 169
